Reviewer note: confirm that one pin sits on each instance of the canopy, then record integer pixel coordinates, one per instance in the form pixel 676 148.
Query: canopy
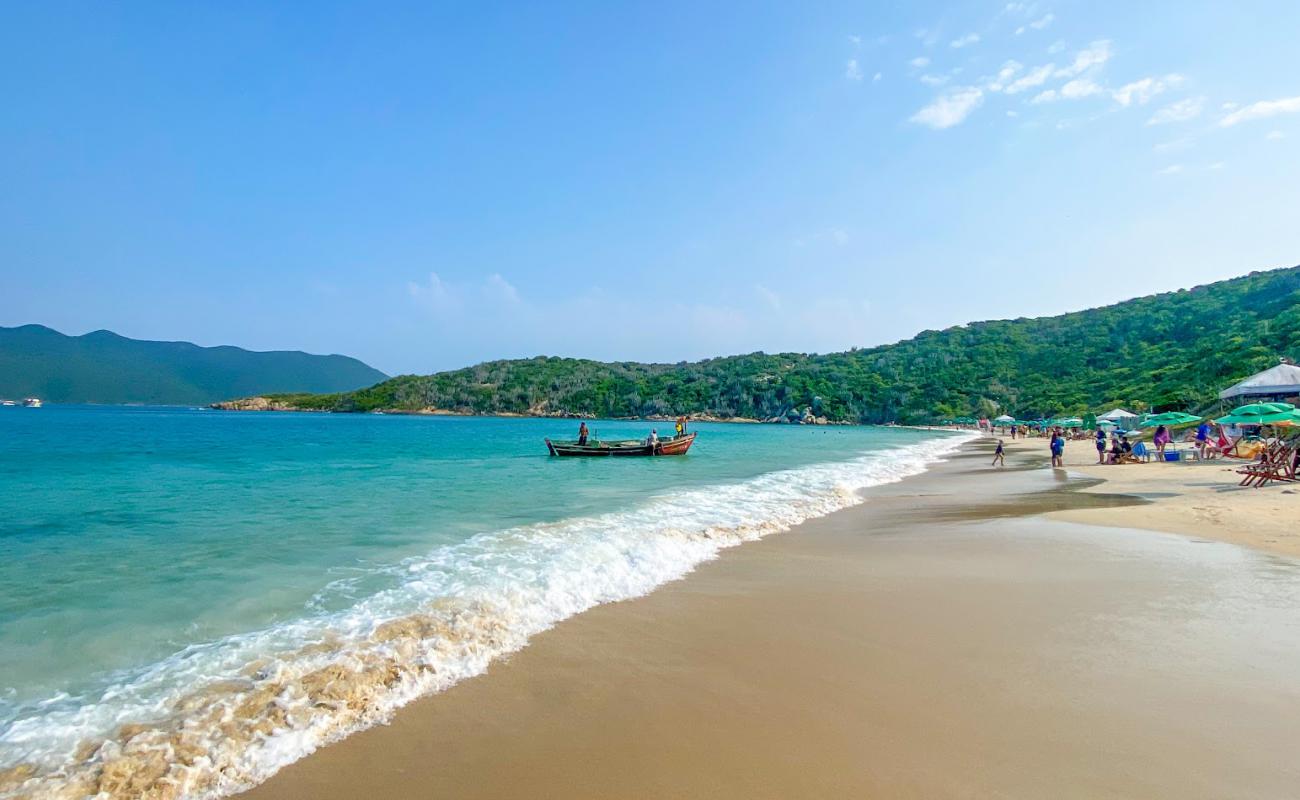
pixel 1260 414
pixel 1284 379
pixel 1168 418
pixel 1006 418
pixel 1116 414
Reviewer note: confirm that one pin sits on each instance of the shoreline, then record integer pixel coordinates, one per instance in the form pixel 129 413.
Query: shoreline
pixel 815 663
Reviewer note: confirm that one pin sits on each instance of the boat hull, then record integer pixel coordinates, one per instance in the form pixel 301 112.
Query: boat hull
pixel 676 446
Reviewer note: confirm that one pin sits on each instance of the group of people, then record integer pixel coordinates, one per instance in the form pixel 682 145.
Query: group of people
pixel 651 440
pixel 1115 448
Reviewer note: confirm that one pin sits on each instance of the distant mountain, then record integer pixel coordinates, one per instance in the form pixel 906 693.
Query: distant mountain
pixel 102 367
pixel 1170 351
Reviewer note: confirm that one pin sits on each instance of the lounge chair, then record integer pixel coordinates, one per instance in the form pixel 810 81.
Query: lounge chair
pixel 1278 462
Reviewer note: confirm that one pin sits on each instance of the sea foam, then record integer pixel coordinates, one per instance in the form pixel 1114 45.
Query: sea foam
pixel 219 717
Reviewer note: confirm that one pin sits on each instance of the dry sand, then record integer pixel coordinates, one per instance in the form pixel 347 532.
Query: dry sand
pixel 943 640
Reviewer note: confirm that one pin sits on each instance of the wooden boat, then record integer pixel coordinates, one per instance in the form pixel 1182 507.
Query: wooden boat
pixel 674 446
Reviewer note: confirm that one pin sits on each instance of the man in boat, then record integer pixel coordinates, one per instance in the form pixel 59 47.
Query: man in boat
pixel 681 426
pixel 582 434
pixel 653 440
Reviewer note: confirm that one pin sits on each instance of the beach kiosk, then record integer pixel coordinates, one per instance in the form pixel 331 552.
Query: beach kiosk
pixel 1280 383
pixel 1119 418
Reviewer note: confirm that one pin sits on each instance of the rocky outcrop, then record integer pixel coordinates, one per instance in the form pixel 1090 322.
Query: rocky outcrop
pixel 254 404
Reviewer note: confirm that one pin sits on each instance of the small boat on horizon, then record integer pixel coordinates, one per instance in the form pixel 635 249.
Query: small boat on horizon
pixel 32 402
pixel 672 446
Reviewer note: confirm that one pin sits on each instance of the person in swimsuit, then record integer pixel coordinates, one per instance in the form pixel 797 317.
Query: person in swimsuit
pixel 999 459
pixel 582 434
pixel 1101 446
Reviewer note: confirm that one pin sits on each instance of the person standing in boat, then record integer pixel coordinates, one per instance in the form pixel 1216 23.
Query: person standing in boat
pixel 653 441
pixel 582 434
pixel 681 426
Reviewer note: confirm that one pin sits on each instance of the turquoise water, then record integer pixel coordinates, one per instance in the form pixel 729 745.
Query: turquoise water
pixel 162 564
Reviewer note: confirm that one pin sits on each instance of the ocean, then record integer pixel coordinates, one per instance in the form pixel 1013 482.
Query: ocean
pixel 196 598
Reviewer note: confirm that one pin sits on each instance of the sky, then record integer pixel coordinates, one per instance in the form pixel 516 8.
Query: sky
pixel 429 185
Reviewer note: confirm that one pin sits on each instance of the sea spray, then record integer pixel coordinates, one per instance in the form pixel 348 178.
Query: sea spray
pixel 218 717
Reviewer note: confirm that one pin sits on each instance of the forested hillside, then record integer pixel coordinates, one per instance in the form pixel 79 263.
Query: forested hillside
pixel 102 367
pixel 1167 351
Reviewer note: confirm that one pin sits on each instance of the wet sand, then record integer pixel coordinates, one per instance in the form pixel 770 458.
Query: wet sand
pixel 945 639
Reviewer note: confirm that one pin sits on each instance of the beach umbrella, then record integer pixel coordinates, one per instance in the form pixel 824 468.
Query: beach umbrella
pixel 1168 418
pixel 1259 414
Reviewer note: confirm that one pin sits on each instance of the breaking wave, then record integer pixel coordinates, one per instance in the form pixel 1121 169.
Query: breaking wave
pixel 219 717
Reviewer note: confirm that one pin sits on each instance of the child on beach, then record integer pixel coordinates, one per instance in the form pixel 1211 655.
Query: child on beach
pixel 999 459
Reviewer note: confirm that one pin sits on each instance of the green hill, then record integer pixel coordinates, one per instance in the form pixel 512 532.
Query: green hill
pixel 102 367
pixel 1173 350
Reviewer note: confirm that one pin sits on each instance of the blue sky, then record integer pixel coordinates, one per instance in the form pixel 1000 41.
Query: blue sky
pixel 428 186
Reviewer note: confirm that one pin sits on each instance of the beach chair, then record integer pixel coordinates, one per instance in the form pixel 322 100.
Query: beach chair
pixel 1278 462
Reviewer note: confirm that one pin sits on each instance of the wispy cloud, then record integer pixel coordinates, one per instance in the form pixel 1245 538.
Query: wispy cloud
pixel 1275 135
pixel 1057 47
pixel 1031 79
pixel 934 80
pixel 1076 89
pixel 876 78
pixel 1092 56
pixel 964 41
pixel 1181 111
pixel 1172 169
pixel 920 62
pixel 1173 145
pixel 856 41
pixel 432 294
pixel 1141 92
pixel 852 71
pixel 1038 24
pixel 950 109
pixel 1262 110
pixel 1000 81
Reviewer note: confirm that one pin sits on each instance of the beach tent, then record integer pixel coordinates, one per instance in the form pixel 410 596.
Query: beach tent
pixel 1005 419
pixel 1280 381
pixel 1120 417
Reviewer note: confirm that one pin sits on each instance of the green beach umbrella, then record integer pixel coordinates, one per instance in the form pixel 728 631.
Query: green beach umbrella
pixel 1259 414
pixel 1168 418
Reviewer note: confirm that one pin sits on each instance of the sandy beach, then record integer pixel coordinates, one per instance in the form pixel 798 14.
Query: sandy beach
pixel 969 632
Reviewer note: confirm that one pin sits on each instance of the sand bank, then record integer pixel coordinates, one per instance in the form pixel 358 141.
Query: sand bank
pixel 943 640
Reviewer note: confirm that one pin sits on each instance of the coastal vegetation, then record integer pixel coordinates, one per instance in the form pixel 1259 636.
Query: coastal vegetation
pixel 103 367
pixel 1165 351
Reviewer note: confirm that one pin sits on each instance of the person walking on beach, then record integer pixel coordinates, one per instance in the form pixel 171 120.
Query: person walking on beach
pixel 999 458
pixel 1101 446
pixel 1057 445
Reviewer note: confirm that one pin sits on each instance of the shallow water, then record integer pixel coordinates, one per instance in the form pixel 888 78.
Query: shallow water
pixel 191 599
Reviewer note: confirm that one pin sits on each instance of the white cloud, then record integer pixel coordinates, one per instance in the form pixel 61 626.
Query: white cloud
pixel 1057 47
pixel 950 109
pixel 856 41
pixel 1092 56
pixel 876 78
pixel 499 289
pixel 1181 111
pixel 433 295
pixel 920 62
pixel 1275 135
pixel 934 80
pixel 1142 91
pixel 1013 114
pixel 1034 77
pixel 1172 169
pixel 1217 165
pixel 1229 106
pixel 1004 76
pixel 852 71
pixel 964 41
pixel 1262 110
pixel 1078 88
pixel 1038 24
